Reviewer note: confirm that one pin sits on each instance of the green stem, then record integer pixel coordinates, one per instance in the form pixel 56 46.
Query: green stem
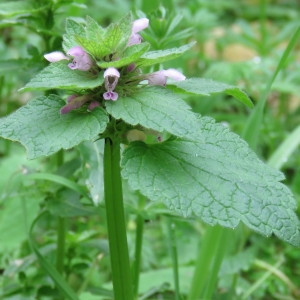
pixel 119 256
pixel 60 251
pixel 138 254
pixel 173 251
pixel 208 262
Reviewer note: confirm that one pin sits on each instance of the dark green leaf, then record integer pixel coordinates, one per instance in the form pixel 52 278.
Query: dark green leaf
pixel 156 108
pixel 42 130
pixel 218 179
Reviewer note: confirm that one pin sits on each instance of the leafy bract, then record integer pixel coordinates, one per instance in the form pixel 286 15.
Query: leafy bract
pixel 100 42
pixel 159 56
pixel 206 87
pixel 59 75
pixel 129 56
pixel 42 130
pixel 155 108
pixel 218 179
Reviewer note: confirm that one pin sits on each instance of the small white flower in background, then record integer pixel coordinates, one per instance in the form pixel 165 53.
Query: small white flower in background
pixel 160 77
pixel 111 77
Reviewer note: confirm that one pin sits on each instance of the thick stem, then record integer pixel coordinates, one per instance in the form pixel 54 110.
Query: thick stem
pixel 119 256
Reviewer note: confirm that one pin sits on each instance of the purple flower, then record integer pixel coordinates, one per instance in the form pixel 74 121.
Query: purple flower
pixel 111 77
pixel 55 56
pixel 81 61
pixel 160 77
pixel 137 26
pixel 74 102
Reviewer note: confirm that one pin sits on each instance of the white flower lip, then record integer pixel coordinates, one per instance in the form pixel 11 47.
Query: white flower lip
pixel 55 56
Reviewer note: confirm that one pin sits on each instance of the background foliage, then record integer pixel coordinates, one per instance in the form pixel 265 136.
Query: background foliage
pixel 239 43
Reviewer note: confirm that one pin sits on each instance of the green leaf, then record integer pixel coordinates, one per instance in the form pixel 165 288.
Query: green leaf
pixel 218 179
pixel 42 130
pixel 59 75
pixel 159 56
pixel 156 108
pixel 100 42
pixel 66 204
pixel 206 87
pixel 12 8
pixel 73 29
pixel 130 55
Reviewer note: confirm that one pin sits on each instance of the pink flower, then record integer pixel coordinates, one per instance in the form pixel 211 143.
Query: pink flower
pixel 160 77
pixel 111 77
pixel 137 26
pixel 81 61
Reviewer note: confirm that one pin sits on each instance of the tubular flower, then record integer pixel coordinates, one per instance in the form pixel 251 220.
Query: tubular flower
pixel 138 25
pixel 160 77
pixel 111 77
pixel 81 61
pixel 55 56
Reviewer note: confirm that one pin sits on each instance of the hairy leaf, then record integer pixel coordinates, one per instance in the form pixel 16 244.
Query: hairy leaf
pixel 73 29
pixel 155 108
pixel 42 130
pixel 159 56
pixel 218 179
pixel 206 87
pixel 59 75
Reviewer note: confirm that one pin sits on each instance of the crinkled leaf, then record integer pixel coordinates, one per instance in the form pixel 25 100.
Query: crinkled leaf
pixel 59 75
pixel 130 55
pixel 42 130
pixel 159 56
pixel 155 108
pixel 12 8
pixel 73 29
pixel 206 87
pixel 92 157
pixel 218 179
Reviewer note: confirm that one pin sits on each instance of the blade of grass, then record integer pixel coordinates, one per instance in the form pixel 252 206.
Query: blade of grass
pixel 60 282
pixel 253 124
pixel 171 227
pixel 136 265
pixel 60 180
pixel 285 150
pixel 209 258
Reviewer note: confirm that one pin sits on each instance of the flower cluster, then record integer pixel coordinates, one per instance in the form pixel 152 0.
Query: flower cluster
pixel 82 61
